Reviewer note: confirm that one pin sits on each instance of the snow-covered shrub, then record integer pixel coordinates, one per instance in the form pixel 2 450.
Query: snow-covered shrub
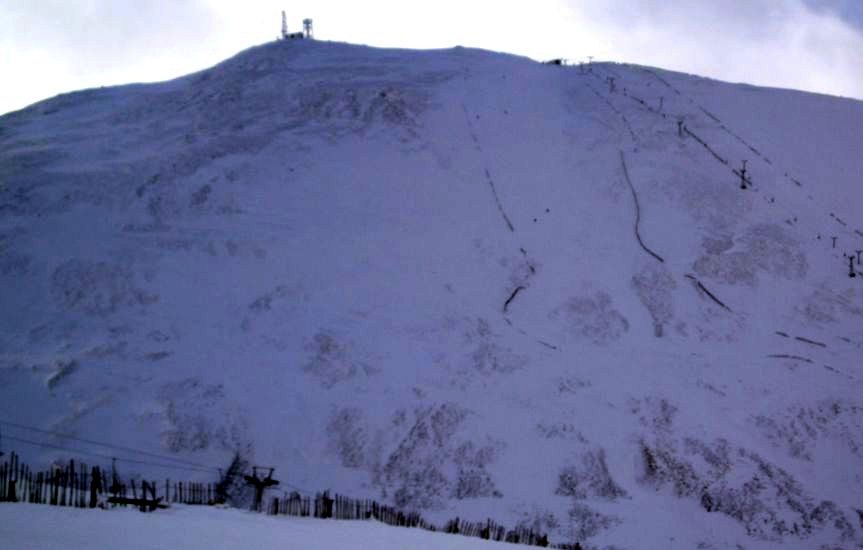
pixel 348 436
pixel 197 416
pixel 472 479
pixel 538 521
pixel 432 463
pixel 343 108
pixel 662 466
pixel 800 429
pixel 592 318
pixel 590 478
pixel 96 288
pixel 654 284
pixel 585 522
pixel 488 356
pixel 415 467
pixel 764 498
pixel 654 412
pixel 825 306
pixel 767 248
pixel 332 362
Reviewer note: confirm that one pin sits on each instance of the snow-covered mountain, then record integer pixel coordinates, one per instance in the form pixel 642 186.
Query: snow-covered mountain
pixel 461 281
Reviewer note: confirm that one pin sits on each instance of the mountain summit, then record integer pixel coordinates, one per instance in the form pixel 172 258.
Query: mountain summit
pixel 606 301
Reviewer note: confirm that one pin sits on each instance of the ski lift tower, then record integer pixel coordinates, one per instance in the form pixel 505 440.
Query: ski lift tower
pixel 307 27
pixel 284 26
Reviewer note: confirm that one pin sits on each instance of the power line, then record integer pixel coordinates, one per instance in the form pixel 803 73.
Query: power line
pixel 109 446
pixel 104 457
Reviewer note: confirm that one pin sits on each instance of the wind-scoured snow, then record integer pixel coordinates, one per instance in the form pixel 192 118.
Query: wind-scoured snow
pixel 459 281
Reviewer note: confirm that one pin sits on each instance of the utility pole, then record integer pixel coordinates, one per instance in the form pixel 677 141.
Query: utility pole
pixel 851 272
pixel 834 241
pixel 284 26
pixel 260 484
pixel 743 175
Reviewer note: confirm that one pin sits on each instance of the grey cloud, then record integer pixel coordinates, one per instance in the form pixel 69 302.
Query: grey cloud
pixel 103 33
pixel 850 11
pixel 751 17
pixel 805 44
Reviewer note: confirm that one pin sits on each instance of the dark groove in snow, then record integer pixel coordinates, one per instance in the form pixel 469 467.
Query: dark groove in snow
pixel 488 177
pixel 786 356
pixel 812 342
pixel 637 210
pixel 512 297
pixel 709 294
pixel 546 344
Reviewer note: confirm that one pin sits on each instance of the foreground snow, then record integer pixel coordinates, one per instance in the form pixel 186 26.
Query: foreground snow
pixel 34 527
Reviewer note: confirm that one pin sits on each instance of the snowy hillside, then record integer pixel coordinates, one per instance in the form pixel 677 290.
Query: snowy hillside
pixel 460 281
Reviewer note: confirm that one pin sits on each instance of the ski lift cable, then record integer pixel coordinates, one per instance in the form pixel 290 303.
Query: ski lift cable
pixel 105 457
pixel 294 487
pixel 109 446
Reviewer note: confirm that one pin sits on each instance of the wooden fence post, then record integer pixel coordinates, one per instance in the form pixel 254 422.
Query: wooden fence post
pixel 95 486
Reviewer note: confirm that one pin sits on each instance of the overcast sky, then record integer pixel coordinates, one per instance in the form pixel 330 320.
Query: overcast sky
pixel 52 46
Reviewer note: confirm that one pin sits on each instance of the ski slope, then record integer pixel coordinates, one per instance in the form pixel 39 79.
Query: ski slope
pixel 460 281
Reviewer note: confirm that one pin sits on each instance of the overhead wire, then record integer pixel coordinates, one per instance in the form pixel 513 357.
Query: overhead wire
pixel 105 457
pixel 183 462
pixel 294 487
pixel 180 463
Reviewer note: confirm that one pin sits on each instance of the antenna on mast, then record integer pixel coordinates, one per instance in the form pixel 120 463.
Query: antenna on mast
pixel 307 27
pixel 284 26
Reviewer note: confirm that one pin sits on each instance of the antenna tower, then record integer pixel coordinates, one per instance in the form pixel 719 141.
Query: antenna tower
pixel 307 27
pixel 284 26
